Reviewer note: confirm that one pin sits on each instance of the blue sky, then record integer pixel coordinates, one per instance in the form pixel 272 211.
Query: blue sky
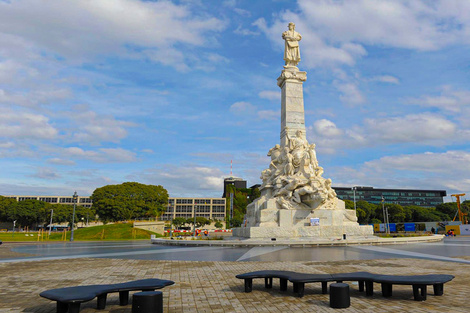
pixel 168 92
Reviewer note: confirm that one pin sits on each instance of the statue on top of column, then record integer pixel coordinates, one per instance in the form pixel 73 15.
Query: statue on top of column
pixel 291 50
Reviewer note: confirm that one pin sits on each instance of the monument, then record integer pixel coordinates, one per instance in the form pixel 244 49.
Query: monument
pixel 296 201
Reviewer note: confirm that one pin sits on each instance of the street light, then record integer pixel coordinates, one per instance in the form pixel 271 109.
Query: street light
pixel 75 196
pixel 354 198
pixel 13 233
pixel 50 224
pixel 194 224
pixel 383 210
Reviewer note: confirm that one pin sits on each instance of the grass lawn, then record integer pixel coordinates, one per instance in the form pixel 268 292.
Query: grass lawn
pixel 119 231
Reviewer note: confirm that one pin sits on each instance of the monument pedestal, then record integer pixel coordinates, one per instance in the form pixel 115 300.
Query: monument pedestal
pixel 265 220
pixel 293 190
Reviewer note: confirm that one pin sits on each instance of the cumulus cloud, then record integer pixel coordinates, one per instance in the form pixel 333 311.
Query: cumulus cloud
pixel 23 125
pixel 447 99
pixel 269 115
pixel 385 79
pixel 186 180
pixel 59 161
pixel 444 170
pixel 242 108
pixel 337 32
pixel 270 95
pixel 94 128
pixel 46 173
pixel 103 155
pixel 423 129
pixel 112 26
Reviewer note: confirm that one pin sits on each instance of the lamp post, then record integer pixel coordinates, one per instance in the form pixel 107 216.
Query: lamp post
pixel 383 210
pixel 50 224
pixel 75 196
pixel 388 223
pixel 194 224
pixel 354 198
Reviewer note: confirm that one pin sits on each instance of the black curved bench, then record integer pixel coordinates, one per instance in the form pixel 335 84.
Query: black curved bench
pixel 70 298
pixel 419 282
pixel 268 278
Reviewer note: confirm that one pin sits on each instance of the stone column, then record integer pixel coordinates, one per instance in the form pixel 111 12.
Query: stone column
pixel 292 102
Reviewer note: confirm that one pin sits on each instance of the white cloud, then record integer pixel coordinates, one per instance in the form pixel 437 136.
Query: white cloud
pixel 270 95
pixel 103 155
pixel 59 161
pixel 447 170
pixel 386 79
pixel 186 180
pixel 269 115
pixel 423 129
pixel 79 30
pixel 93 128
pixel 245 32
pixel 46 173
pixel 447 100
pixel 22 125
pixel 411 128
pixel 338 32
pixel 327 128
pixel 242 108
pixel 31 99
pixel 350 93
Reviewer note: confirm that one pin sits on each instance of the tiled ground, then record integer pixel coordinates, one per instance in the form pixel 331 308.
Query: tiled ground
pixel 212 286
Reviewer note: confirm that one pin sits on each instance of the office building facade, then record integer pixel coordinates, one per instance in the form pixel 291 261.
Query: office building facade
pixel 82 201
pixel 210 208
pixel 235 181
pixel 403 197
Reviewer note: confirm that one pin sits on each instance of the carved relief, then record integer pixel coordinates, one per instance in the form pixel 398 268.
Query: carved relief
pixel 296 177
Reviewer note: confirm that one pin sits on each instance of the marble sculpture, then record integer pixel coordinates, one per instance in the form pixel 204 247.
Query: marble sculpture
pixel 293 190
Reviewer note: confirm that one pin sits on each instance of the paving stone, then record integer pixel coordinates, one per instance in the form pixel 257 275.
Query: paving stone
pixel 212 286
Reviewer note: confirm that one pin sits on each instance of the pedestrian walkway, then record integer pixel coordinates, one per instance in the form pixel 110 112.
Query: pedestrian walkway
pixel 212 286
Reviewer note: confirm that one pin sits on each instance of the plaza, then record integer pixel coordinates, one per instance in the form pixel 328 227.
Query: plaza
pixel 205 277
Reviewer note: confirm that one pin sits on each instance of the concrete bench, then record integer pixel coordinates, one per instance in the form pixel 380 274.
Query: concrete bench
pixel 69 298
pixel 419 282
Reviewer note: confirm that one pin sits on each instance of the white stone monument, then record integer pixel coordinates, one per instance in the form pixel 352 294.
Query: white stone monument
pixel 296 201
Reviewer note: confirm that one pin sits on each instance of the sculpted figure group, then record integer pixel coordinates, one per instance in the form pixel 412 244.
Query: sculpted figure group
pixel 295 176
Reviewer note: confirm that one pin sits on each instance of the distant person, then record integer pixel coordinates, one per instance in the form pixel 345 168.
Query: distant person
pixel 433 230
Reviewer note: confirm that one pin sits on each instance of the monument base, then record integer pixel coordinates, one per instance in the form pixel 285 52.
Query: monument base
pixel 312 232
pixel 266 220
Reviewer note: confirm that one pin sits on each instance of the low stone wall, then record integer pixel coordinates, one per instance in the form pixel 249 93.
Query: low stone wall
pixel 154 226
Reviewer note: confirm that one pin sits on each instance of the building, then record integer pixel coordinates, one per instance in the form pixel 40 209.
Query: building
pixel 82 201
pixel 403 197
pixel 235 181
pixel 210 208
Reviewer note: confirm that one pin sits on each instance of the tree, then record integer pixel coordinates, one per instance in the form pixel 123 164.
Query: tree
pixel 449 208
pixel 5 204
pixel 241 198
pixel 128 201
pixel 200 221
pixel 218 224
pixel 178 221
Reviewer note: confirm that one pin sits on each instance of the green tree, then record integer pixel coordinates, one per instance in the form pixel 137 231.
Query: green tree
pixel 178 221
pixel 218 224
pixel 27 212
pixel 449 208
pixel 365 211
pixel 128 201
pixel 396 213
pixel 5 204
pixel 241 198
